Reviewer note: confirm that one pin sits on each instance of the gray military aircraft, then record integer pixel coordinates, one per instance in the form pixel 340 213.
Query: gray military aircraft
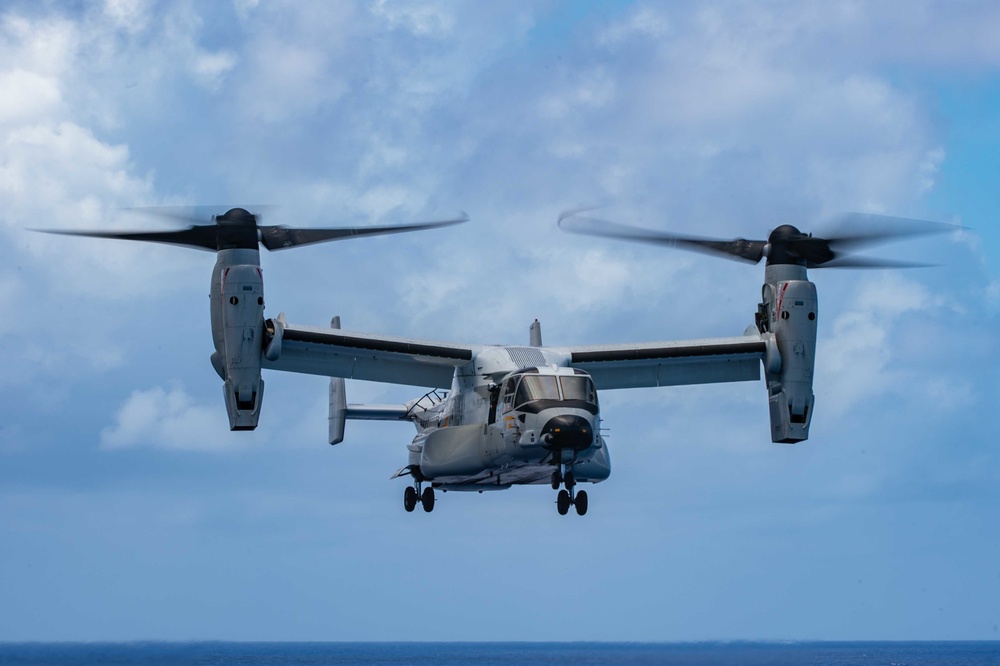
pixel 498 416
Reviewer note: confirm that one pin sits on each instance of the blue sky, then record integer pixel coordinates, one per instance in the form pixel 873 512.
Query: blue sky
pixel 129 511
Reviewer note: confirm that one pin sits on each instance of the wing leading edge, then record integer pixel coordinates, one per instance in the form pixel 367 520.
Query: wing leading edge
pixel 378 358
pixel 671 363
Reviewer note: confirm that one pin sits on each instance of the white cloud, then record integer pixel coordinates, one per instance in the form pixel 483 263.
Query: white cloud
pixel 26 95
pixel 421 18
pixel 592 89
pixel 993 293
pixel 855 362
pixel 641 21
pixel 719 119
pixel 296 60
pixel 60 176
pixel 128 15
pixel 209 67
pixel 244 7
pixel 55 170
pixel 182 28
pixel 44 46
pixel 169 419
pixel 10 293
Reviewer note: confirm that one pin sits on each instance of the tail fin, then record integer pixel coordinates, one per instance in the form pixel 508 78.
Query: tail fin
pixel 338 402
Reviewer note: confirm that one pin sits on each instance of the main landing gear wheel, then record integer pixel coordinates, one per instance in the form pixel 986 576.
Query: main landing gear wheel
pixel 568 496
pixel 427 499
pixel 410 498
pixel 563 502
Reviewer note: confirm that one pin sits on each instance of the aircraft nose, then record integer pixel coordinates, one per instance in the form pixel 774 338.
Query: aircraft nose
pixel 568 431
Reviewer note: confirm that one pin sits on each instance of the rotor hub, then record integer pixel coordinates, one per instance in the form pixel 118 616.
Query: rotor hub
pixel 787 245
pixel 237 217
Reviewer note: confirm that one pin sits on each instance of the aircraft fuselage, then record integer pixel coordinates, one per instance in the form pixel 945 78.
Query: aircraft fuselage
pixel 506 425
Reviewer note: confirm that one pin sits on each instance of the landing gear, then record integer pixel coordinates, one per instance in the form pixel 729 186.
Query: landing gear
pixel 568 496
pixel 562 502
pixel 417 493
pixel 427 499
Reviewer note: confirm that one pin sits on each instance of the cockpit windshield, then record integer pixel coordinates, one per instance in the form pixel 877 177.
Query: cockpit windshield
pixel 578 387
pixel 547 387
pixel 536 387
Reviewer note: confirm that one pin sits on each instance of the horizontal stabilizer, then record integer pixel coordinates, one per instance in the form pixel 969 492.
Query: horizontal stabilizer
pixel 378 412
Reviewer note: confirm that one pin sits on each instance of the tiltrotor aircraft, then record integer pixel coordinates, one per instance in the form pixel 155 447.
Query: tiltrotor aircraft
pixel 498 416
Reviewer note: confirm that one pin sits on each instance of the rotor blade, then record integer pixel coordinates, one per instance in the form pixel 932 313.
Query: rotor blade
pixel 200 237
pixel 855 230
pixel 200 214
pixel 737 249
pixel 280 237
pixel 868 262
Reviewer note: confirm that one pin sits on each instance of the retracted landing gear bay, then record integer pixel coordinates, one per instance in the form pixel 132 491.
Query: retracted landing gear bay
pixel 569 496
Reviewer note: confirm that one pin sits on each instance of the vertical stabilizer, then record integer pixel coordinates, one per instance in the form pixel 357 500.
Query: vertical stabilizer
pixel 535 334
pixel 338 401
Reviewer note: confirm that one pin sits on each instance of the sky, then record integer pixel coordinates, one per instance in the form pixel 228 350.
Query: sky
pixel 129 511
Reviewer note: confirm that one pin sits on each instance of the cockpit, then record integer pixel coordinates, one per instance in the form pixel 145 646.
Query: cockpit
pixel 529 390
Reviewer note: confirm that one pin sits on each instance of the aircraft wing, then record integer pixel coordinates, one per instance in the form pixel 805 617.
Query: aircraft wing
pixel 671 363
pixel 332 352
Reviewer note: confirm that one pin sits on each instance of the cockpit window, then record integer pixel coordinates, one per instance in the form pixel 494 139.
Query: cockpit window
pixel 536 387
pixel 578 388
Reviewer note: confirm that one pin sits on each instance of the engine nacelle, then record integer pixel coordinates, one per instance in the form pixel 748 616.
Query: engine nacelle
pixel 787 319
pixel 241 310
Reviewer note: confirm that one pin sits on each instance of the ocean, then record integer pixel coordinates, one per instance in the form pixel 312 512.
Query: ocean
pixel 964 653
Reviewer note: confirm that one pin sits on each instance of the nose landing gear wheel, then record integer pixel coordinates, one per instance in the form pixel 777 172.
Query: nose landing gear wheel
pixel 427 499
pixel 581 502
pixel 410 498
pixel 562 502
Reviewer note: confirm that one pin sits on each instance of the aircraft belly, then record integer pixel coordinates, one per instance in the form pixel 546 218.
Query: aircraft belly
pixel 594 469
pixel 499 478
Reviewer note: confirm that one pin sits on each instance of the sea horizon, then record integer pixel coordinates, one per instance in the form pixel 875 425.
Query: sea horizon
pixel 503 653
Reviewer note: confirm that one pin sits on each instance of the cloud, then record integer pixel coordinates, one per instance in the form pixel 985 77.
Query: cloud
pixel 855 362
pixel 428 19
pixel 56 168
pixel 300 62
pixel 717 119
pixel 168 419
pixel 10 288
pixel 26 95
pixel 60 176
pixel 640 22
pixel 592 89
pixel 129 15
